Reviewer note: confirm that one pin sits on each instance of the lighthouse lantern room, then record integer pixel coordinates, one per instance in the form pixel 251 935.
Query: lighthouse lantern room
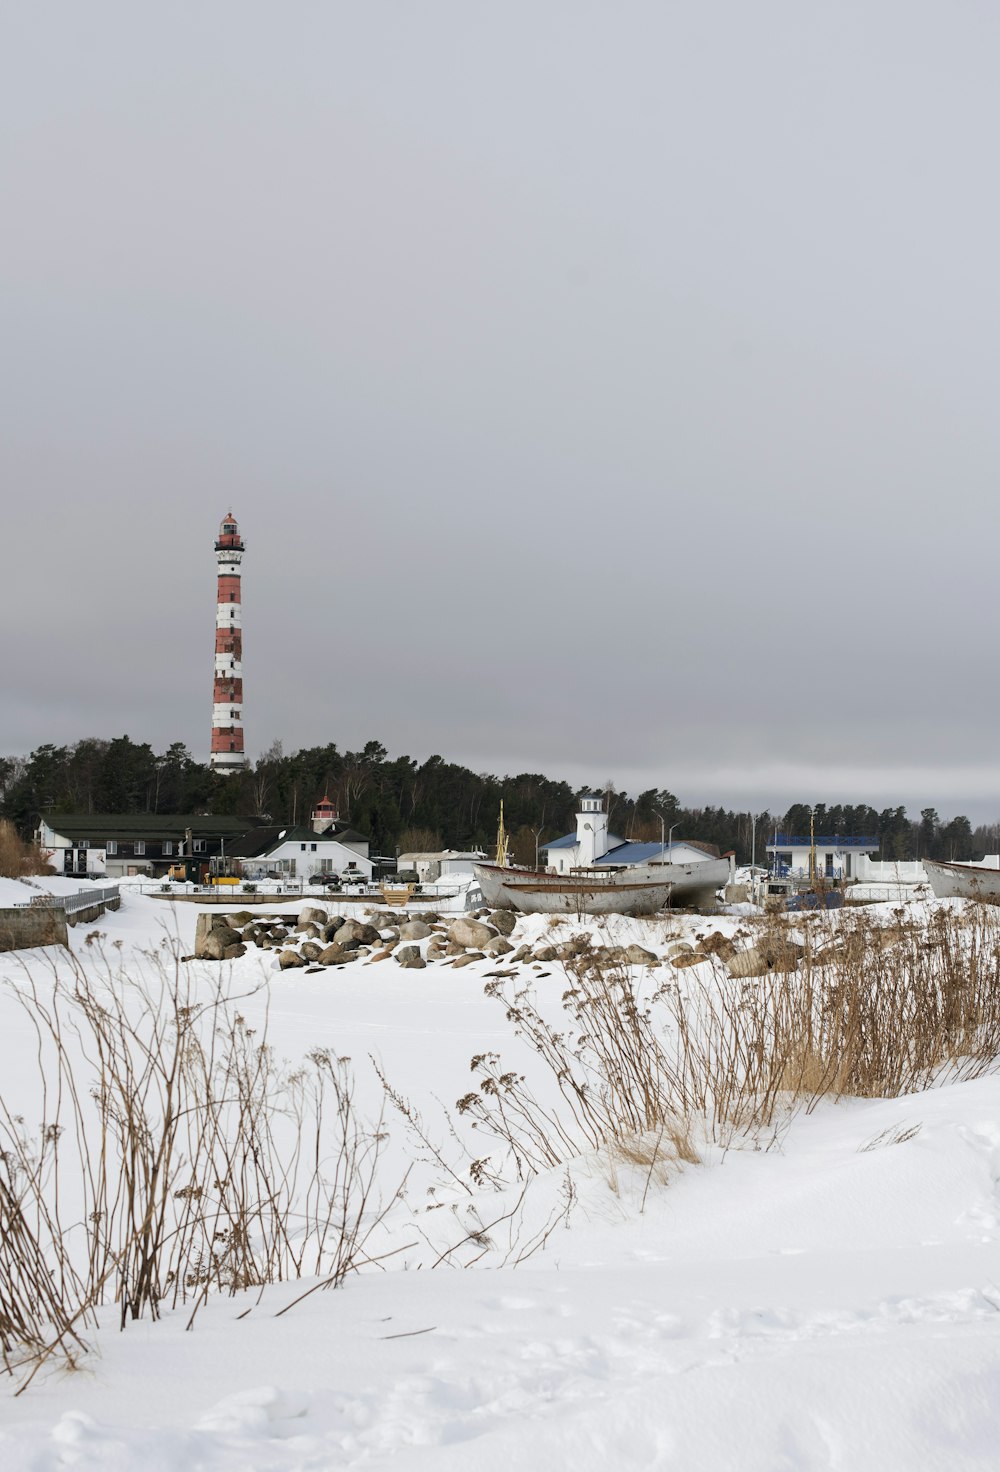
pixel 227 697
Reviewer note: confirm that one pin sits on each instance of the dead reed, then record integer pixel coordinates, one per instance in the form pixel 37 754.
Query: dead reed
pixel 174 1157
pixel 870 1009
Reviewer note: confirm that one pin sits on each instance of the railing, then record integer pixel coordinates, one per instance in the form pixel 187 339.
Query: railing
pixel 72 904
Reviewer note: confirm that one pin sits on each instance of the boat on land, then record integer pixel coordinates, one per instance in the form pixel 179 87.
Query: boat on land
pixel 594 891
pixel 964 881
pixel 536 893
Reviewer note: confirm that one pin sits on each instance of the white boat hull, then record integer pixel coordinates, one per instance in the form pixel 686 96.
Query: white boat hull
pixel 639 891
pixel 963 881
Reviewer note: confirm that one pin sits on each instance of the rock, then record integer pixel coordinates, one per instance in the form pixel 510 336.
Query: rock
pixel 312 970
pixel 334 955
pixel 546 953
pixel 476 955
pixel 523 953
pixel 465 959
pixel 498 947
pixel 759 960
pixel 310 950
pixel 239 918
pixel 717 944
pixel 679 948
pixel 639 956
pixel 212 946
pixel 232 952
pixel 409 957
pixel 311 915
pixel 454 949
pixel 470 933
pixel 309 931
pixel 357 931
pixel 415 929
pixel 288 959
pixel 687 958
pixel 382 955
pixel 503 921
pixel 575 947
pixel 279 933
pixel 389 932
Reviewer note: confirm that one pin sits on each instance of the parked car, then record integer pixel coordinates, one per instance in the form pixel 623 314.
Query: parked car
pixel 329 881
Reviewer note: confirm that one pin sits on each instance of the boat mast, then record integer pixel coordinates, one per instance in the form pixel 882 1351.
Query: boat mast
pixel 503 851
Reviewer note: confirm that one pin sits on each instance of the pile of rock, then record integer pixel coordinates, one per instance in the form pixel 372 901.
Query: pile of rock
pixel 318 940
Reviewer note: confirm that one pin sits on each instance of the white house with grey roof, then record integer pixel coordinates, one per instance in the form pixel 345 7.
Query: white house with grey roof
pixel 592 845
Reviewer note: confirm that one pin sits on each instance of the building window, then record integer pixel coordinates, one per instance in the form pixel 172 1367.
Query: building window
pixel 199 845
pixel 140 847
pixel 83 843
pixel 168 847
pixel 112 845
pixel 312 847
pixel 302 847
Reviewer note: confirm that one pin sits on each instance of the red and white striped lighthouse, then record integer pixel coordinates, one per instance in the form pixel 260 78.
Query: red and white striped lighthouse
pixel 227 697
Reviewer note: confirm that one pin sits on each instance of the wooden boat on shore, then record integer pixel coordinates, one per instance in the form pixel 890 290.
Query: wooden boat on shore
pixel 963 881
pixel 535 893
pixel 639 891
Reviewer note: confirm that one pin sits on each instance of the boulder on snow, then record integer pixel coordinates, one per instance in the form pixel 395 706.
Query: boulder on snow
pixel 415 929
pixel 288 959
pixel 471 934
pixel 357 932
pixel 503 921
pixel 409 957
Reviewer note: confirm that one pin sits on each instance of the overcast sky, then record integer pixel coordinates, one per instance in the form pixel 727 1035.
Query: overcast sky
pixel 608 390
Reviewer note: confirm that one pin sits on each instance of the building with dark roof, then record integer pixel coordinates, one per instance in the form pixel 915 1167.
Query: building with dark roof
pixel 116 844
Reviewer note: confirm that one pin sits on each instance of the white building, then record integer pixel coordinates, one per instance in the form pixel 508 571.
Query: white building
pixel 837 855
pixel 448 863
pixel 592 844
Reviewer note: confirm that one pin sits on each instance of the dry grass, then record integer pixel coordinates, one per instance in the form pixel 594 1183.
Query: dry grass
pixel 872 1010
pixel 18 858
pixel 175 1157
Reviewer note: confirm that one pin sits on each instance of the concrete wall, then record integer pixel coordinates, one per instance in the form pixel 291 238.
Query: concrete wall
pixel 20 930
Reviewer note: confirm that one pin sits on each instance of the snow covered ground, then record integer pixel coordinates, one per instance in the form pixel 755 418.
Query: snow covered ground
pixel 832 1303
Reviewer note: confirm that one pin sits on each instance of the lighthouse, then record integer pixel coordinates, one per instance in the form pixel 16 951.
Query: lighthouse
pixel 227 696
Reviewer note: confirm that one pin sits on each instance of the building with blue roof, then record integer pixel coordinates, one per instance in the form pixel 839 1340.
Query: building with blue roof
pixel 592 844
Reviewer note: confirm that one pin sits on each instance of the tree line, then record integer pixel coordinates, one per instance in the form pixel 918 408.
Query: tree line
pixel 402 804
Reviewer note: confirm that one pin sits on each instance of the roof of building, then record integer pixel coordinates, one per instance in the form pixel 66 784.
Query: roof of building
pixel 823 840
pixel 646 853
pixel 95 826
pixel 263 840
pixel 570 840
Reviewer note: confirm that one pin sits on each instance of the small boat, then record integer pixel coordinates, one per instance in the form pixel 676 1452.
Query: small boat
pixel 963 881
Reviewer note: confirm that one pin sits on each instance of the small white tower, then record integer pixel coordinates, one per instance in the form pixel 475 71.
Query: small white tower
pixel 591 829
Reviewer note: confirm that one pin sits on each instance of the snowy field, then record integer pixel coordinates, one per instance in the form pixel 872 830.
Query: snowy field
pixel 831 1302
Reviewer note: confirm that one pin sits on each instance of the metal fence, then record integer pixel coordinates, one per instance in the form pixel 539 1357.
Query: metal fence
pixel 72 904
